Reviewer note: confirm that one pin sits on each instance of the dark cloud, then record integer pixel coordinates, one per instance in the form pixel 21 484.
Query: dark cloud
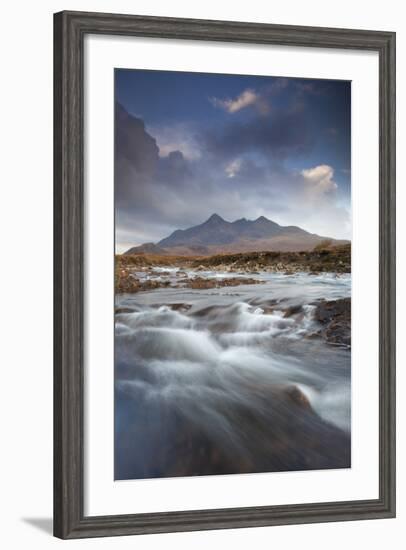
pixel 136 159
pixel 280 134
pixel 175 168
pixel 133 143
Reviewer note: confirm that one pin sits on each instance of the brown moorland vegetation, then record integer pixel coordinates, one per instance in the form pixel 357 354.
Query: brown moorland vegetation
pixel 324 258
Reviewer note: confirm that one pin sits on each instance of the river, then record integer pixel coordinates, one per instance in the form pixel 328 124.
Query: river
pixel 222 380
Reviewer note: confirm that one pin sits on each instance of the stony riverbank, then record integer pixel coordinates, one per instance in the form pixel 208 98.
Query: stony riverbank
pixel 128 267
pixel 335 259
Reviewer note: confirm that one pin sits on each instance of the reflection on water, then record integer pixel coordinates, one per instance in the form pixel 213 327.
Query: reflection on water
pixel 222 381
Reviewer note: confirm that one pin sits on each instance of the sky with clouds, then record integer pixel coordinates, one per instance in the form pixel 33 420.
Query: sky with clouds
pixel 188 145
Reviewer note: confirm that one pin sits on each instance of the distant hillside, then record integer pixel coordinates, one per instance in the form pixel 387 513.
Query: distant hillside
pixel 218 236
pixel 147 248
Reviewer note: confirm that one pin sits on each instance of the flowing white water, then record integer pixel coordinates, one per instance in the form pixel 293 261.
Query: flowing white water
pixel 223 381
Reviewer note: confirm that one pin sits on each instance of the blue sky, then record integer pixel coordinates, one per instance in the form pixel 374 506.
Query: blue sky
pixel 190 144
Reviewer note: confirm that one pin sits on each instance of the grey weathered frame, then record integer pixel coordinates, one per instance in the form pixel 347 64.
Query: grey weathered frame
pixel 69 31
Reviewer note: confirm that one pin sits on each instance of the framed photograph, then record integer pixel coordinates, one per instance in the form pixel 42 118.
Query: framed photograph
pixel 224 275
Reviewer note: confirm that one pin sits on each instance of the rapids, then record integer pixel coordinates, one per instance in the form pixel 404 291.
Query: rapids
pixel 222 381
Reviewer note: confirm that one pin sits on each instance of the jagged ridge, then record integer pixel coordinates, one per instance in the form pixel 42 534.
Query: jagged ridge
pixel 217 235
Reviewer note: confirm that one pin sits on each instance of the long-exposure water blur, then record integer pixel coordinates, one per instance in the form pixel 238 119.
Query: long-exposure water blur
pixel 230 379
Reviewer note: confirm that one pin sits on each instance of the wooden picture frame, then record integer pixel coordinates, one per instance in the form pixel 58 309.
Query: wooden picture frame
pixel 70 30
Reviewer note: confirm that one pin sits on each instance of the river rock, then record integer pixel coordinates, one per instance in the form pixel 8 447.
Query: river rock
pixel 201 283
pixel 298 397
pixel 335 318
pixel 180 307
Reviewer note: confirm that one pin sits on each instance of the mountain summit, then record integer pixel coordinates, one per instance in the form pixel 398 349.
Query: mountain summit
pixel 217 235
pixel 214 218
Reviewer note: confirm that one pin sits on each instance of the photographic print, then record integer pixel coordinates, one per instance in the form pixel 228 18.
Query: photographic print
pixel 232 274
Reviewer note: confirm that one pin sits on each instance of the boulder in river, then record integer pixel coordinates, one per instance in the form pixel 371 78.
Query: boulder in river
pixel 298 397
pixel 335 318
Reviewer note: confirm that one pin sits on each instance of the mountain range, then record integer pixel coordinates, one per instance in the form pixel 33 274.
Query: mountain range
pixel 218 236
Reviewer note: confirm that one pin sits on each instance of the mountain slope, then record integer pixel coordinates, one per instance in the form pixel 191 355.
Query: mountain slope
pixel 147 248
pixel 217 235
